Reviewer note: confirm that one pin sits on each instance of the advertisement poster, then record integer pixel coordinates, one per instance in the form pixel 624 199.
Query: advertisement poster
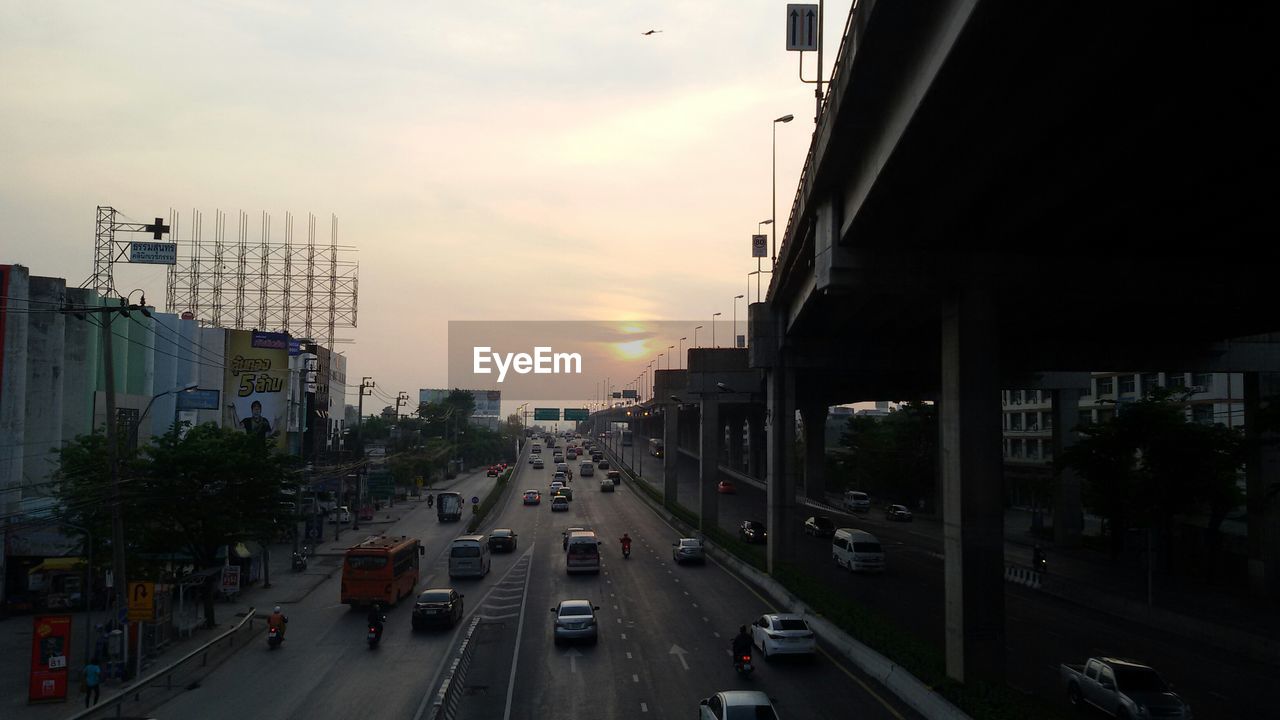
pixel 258 381
pixel 50 647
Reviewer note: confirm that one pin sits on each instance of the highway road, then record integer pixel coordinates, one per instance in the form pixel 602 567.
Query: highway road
pixel 664 639
pixel 1041 631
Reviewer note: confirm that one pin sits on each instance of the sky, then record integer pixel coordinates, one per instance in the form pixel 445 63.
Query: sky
pixel 513 160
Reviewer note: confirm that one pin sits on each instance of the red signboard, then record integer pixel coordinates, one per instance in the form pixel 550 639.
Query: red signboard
pixel 50 655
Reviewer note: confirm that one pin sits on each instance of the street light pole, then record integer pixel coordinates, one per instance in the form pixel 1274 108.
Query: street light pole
pixel 695 336
pixel 759 270
pixel 713 329
pixel 680 352
pixel 669 349
pixel 774 206
pixel 736 298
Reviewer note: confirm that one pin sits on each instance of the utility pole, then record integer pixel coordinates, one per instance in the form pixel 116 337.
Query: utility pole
pixel 401 399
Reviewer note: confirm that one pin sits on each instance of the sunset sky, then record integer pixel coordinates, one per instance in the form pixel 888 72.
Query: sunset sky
pixel 511 160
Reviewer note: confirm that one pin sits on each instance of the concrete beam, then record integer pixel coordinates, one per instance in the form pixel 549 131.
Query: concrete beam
pixel 1068 510
pixel 781 492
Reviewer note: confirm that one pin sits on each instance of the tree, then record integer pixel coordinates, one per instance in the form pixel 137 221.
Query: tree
pixel 1149 464
pixel 895 455
pixel 194 492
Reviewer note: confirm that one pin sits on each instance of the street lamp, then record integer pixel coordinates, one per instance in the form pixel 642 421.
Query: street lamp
pixel 680 352
pixel 669 348
pixel 736 298
pixel 713 329
pixel 695 336
pixel 774 252
pixel 185 388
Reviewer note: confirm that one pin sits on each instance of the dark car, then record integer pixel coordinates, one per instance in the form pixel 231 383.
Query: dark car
pixel 493 471
pixel 604 465
pixel 897 512
pixel 615 476
pixel 437 606
pixel 502 540
pixel 819 526
pixel 752 531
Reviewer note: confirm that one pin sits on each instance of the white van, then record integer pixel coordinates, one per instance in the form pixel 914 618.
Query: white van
pixel 857 550
pixel 582 552
pixel 469 557
pixel 586 469
pixel 856 501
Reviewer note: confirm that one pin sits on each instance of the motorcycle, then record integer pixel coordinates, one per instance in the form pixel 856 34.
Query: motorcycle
pixel 299 562
pixel 274 637
pixel 626 551
pixel 375 633
pixel 742 664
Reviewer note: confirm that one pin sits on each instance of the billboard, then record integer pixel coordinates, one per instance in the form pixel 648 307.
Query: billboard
pixel 488 402
pixel 257 382
pixel 50 648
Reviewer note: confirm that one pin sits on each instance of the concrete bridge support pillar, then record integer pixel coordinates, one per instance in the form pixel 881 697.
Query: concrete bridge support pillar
pixel 815 452
pixel 711 433
pixel 1262 476
pixel 781 521
pixel 973 527
pixel 757 439
pixel 735 440
pixel 670 454
pixel 1068 509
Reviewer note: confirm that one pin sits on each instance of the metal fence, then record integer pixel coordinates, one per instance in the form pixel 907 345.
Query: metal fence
pixel 162 685
pixel 445 706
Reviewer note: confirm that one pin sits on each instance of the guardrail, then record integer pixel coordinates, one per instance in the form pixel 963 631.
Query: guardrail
pixel 177 676
pixel 445 706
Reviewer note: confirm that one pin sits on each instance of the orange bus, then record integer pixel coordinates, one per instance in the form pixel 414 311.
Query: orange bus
pixel 381 570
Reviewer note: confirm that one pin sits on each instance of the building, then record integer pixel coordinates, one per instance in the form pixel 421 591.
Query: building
pixel 1028 417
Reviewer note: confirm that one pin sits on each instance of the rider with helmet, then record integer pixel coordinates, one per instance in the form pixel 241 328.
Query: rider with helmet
pixel 278 620
pixel 626 543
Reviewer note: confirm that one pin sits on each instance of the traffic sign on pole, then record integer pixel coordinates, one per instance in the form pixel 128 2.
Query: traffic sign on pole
pixel 142 601
pixel 759 246
pixel 802 27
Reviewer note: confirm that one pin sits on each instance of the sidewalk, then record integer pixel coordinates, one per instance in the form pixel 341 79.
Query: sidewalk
pixel 287 587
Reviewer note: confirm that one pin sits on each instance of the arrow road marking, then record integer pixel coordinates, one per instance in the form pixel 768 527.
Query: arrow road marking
pixel 680 653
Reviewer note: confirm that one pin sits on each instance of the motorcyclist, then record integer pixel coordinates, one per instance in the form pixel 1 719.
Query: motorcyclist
pixel 376 619
pixel 278 620
pixel 626 543
pixel 741 644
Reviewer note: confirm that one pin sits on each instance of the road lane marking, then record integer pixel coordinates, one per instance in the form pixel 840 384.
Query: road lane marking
pixel 624 636
pixel 644 707
pixel 715 633
pixel 635 678
pixel 628 656
pixel 695 604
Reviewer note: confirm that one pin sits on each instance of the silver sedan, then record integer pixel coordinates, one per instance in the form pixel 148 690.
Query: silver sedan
pixel 688 549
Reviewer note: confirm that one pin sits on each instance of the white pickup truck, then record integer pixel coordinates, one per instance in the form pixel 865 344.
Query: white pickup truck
pixel 1122 689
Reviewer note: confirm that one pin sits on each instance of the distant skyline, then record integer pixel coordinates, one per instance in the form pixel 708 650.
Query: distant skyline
pixel 489 160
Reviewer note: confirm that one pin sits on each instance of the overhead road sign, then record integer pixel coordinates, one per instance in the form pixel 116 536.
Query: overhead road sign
pixel 802 27
pixel 576 413
pixel 552 414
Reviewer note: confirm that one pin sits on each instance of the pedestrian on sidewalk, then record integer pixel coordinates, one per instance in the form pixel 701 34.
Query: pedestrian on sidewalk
pixel 92 682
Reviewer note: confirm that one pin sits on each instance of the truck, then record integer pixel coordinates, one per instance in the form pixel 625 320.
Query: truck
pixel 1122 689
pixel 448 506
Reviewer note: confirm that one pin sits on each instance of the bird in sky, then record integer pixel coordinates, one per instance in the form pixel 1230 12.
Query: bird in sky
pixel 650 32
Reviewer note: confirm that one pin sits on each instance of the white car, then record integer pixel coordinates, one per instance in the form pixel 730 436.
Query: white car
pixel 737 704
pixel 538 464
pixel 783 634
pixel 340 515
pixel 559 503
